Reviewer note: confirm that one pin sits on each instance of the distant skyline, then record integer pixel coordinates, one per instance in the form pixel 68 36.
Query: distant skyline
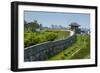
pixel 57 18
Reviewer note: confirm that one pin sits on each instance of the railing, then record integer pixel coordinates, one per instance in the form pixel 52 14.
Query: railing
pixel 45 50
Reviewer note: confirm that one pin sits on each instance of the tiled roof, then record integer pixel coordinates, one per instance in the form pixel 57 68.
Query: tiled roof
pixel 74 24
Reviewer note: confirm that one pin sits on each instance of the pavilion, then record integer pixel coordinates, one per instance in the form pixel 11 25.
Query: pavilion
pixel 75 28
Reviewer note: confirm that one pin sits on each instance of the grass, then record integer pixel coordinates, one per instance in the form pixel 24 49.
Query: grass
pixel 79 50
pixel 60 34
pixel 33 38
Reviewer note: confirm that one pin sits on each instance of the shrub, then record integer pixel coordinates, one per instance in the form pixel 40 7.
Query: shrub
pixel 51 36
pixel 39 39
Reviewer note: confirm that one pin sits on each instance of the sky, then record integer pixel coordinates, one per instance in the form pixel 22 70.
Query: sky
pixel 58 18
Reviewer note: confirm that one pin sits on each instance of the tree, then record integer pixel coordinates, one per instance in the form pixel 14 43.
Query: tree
pixel 31 26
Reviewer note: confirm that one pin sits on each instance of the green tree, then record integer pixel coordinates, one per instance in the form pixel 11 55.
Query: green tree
pixel 31 26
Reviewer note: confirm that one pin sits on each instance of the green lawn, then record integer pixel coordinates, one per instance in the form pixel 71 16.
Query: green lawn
pixel 79 50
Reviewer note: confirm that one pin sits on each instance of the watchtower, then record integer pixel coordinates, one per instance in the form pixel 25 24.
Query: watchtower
pixel 74 27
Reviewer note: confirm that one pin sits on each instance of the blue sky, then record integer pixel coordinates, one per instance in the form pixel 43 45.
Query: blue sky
pixel 57 18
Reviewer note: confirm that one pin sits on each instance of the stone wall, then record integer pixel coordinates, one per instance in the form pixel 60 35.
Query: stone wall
pixel 43 51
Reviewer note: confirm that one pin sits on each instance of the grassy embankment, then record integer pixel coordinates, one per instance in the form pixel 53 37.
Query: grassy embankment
pixel 79 50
